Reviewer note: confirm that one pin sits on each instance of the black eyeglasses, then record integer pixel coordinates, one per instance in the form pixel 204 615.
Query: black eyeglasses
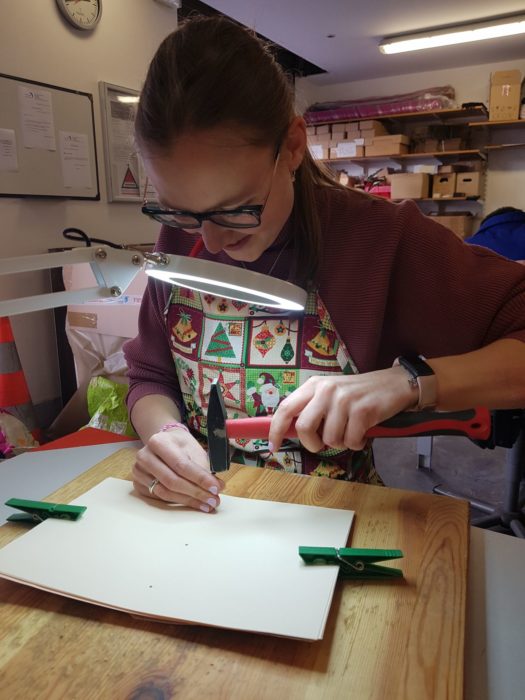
pixel 247 216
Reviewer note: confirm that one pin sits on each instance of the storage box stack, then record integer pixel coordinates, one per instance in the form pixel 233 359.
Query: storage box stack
pixel 452 181
pixel 319 140
pixel 378 142
pixel 338 140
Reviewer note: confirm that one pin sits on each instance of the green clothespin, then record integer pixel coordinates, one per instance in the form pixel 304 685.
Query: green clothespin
pixel 354 563
pixel 38 511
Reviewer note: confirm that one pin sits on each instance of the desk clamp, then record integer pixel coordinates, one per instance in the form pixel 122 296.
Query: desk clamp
pixel 354 563
pixel 38 511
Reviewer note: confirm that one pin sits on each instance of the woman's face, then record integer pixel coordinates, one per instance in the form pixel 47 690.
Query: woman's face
pixel 219 169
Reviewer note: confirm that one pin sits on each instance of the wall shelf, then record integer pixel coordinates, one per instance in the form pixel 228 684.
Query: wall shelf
pixel 507 124
pixel 442 156
pixel 503 147
pixel 459 115
pixel 471 124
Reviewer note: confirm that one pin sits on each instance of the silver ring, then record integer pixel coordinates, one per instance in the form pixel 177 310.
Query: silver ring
pixel 151 487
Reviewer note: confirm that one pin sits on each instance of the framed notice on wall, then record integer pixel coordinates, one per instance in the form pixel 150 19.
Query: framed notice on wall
pixel 47 141
pixel 125 176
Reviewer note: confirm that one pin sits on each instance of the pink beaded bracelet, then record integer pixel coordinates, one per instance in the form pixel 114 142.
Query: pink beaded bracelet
pixel 175 424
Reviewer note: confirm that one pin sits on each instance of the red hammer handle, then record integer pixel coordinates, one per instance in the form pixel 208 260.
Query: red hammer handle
pixel 474 423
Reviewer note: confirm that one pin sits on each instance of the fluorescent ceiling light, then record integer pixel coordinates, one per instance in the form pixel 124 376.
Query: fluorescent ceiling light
pixel 460 35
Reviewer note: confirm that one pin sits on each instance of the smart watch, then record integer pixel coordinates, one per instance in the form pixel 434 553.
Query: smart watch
pixel 421 377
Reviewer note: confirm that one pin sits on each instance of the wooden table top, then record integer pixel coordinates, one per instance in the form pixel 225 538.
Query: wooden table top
pixel 402 638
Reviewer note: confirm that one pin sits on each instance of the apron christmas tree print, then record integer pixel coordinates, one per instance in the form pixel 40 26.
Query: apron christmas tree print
pixel 219 345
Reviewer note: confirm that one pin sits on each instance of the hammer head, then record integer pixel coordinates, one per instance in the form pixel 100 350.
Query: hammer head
pixel 218 445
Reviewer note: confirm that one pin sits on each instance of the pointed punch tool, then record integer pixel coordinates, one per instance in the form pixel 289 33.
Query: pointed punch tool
pixel 354 563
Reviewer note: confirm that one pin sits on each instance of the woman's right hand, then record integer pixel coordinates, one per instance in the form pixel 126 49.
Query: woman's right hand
pixel 179 463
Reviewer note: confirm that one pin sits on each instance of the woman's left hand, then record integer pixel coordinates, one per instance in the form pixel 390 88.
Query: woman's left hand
pixel 336 411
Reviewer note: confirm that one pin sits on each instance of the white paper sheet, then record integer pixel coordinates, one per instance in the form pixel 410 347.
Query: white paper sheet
pixel 36 114
pixel 8 154
pixel 74 156
pixel 238 568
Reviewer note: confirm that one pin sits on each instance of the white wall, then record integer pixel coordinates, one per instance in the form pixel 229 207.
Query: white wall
pixel 36 43
pixel 506 173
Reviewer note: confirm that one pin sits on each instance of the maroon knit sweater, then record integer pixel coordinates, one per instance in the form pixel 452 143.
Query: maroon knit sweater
pixel 394 282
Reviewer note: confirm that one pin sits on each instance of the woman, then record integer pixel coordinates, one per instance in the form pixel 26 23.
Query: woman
pixel 227 155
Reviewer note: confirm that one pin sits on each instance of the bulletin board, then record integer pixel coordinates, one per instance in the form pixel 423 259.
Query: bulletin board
pixel 47 141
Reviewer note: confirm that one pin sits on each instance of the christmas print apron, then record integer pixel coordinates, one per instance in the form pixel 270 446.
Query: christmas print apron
pixel 259 355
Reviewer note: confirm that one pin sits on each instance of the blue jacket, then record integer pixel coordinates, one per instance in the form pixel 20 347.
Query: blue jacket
pixel 503 233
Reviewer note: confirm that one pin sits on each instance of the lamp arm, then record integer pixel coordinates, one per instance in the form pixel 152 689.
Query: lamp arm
pixel 113 268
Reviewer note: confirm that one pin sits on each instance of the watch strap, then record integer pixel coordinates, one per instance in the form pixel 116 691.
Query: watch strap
pixel 422 377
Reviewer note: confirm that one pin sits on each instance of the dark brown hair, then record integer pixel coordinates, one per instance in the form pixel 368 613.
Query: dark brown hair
pixel 211 72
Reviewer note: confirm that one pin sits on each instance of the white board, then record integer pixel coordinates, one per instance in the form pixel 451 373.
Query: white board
pixel 238 568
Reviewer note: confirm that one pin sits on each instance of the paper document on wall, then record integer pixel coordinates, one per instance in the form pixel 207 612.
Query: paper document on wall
pixel 36 115
pixel 74 157
pixel 238 568
pixel 8 154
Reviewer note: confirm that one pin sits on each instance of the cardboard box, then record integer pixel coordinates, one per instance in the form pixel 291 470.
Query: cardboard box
pixel 322 129
pixel 352 127
pixel 318 151
pixel 450 144
pixel 410 185
pixel 424 168
pixel 392 138
pixel 339 128
pixel 392 144
pixel 443 185
pixel 429 146
pixel 310 130
pixel 469 184
pixel 377 127
pixel 505 94
pixel 386 149
pixel 349 149
pixel 454 168
pixel 462 225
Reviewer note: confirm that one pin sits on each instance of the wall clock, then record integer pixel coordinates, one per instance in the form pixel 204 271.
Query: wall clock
pixel 82 14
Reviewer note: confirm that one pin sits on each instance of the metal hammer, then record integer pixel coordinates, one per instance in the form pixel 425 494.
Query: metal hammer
pixel 474 423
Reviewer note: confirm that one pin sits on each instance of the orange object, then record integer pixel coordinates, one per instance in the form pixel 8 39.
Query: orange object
pixel 14 393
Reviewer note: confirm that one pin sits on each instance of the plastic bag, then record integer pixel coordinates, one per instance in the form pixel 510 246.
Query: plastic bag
pixel 107 409
pixel 14 436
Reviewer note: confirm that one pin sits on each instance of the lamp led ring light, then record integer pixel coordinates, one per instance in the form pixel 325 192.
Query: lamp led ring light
pixel 115 268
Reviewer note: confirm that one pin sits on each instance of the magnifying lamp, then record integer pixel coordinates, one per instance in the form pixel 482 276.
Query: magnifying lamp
pixel 114 269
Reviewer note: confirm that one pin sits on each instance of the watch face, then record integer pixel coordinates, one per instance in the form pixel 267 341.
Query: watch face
pixel 82 14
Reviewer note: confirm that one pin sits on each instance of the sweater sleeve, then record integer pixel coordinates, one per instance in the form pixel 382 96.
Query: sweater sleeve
pixel 396 282
pixel 151 369
pixel 150 365
pixel 446 297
